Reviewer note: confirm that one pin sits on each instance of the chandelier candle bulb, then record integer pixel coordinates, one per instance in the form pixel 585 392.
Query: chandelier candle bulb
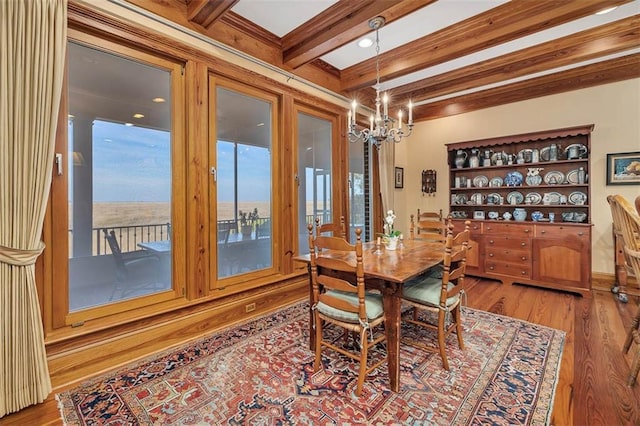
pixel 385 103
pixel 371 123
pixel 400 120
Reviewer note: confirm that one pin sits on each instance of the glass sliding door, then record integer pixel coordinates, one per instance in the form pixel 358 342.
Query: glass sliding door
pixel 243 189
pixel 314 137
pixel 120 177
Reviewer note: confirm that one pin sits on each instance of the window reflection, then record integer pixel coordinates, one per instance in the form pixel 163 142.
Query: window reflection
pixel 119 152
pixel 243 151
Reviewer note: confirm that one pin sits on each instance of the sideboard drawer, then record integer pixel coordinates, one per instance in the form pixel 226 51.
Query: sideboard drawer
pixel 505 268
pixel 514 243
pixel 502 254
pixel 561 231
pixel 513 229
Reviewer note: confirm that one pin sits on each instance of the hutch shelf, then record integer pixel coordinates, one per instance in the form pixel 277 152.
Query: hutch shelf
pixel 528 198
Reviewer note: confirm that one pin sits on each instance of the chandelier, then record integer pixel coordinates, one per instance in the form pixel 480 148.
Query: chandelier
pixel 380 125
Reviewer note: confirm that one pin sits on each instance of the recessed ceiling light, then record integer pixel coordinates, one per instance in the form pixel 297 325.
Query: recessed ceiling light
pixel 138 115
pixel 260 124
pixel 365 42
pixel 158 100
pixel 603 11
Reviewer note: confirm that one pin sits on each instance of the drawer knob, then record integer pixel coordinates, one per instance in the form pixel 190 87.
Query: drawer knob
pixel 491 268
pixel 524 272
pixel 524 257
pixel 523 244
pixel 490 241
pixel 580 234
pixel 543 232
pixel 489 228
pixel 526 230
pixel 490 254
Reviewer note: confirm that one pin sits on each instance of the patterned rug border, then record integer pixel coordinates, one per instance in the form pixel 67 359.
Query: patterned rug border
pixel 541 415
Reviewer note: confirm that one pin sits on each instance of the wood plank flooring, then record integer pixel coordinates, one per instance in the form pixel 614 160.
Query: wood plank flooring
pixel 592 387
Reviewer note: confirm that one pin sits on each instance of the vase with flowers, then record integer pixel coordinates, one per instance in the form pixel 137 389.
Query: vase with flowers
pixel 247 222
pixel 391 236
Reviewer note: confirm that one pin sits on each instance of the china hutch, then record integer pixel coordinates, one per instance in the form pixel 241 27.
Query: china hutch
pixel 528 199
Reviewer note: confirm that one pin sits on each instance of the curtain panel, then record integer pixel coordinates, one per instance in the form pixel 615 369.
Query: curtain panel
pixel 32 51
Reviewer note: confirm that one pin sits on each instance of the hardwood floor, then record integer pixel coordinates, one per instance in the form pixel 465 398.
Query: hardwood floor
pixel 592 387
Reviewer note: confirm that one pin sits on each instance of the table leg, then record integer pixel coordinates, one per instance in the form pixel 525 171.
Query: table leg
pixel 391 301
pixel 312 332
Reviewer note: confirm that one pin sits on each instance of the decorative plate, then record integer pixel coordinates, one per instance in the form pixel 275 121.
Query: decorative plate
pixel 551 198
pixel 526 154
pixel 572 177
pixel 544 153
pixel 515 197
pixel 496 156
pixel 493 215
pixel 496 182
pixel 494 198
pixel 554 178
pixel 476 198
pixel 578 198
pixel 533 198
pixel 533 180
pixel 459 199
pixel 480 181
pixel 513 179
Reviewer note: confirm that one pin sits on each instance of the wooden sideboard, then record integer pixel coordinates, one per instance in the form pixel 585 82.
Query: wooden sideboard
pixel 551 255
pixel 529 198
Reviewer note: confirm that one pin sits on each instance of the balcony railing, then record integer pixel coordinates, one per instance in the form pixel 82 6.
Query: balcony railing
pixel 129 236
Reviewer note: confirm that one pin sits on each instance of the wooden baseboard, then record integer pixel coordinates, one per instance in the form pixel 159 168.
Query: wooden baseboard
pixel 604 282
pixel 70 363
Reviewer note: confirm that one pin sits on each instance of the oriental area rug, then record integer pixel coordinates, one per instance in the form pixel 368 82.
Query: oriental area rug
pixel 261 373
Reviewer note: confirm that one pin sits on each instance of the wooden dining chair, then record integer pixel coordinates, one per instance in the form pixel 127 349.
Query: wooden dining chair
pixel 339 298
pixel 442 296
pixel 628 222
pixel 335 229
pixel 428 226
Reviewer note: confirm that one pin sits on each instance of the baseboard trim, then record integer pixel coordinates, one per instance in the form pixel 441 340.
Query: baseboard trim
pixel 604 282
pixel 74 363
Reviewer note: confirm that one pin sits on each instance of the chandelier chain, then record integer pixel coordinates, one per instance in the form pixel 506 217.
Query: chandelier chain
pixel 381 125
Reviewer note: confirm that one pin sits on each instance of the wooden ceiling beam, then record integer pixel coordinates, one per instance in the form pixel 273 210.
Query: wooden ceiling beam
pixel 341 23
pixel 501 24
pixel 206 12
pixel 607 39
pixel 610 71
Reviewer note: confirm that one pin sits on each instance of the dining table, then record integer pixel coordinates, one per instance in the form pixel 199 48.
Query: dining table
pixel 387 271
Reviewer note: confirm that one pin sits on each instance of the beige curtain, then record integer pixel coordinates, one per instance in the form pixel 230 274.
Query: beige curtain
pixel 32 51
pixel 386 164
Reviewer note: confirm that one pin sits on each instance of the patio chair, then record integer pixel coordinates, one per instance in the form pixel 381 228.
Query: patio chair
pixel 124 262
pixel 428 226
pixel 627 220
pixel 442 296
pixel 339 298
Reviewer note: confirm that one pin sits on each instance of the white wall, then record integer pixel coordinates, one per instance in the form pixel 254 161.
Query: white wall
pixel 613 108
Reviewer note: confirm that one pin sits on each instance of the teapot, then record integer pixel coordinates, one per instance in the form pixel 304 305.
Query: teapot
pixel 460 159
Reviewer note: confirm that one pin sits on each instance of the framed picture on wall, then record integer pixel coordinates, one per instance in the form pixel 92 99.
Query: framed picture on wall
pixel 399 177
pixel 623 168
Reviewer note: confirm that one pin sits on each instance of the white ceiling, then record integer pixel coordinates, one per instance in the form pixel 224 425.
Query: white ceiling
pixel 281 17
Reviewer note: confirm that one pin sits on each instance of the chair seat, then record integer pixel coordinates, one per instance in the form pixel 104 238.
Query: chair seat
pixel 426 290
pixel 373 305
